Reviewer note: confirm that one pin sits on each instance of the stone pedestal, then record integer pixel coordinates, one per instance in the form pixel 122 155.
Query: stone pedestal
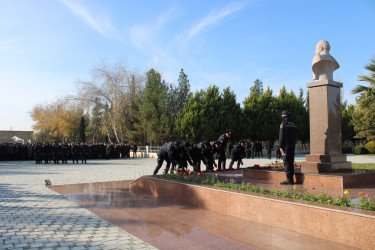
pixel 325 129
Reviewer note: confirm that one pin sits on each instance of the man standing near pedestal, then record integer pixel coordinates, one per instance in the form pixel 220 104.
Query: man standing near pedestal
pixel 287 139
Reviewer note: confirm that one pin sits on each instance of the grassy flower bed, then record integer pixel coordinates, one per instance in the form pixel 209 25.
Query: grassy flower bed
pixel 365 201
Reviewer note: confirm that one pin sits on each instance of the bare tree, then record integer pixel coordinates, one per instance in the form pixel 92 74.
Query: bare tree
pixel 111 87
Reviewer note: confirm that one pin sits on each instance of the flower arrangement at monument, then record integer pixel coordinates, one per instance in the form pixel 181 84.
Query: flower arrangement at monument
pixel 277 166
pixel 365 201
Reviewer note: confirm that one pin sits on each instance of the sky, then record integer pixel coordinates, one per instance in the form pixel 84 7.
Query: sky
pixel 46 46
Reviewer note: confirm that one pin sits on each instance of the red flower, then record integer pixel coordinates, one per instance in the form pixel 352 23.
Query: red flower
pixel 234 181
pixel 312 188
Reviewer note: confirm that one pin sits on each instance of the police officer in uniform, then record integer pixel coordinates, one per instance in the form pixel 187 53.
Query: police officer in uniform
pixel 237 153
pixel 195 155
pixel 269 149
pixel 206 155
pixel 184 157
pixel 287 141
pixel 169 153
pixel 223 139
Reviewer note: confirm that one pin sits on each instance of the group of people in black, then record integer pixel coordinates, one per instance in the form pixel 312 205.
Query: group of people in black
pixel 180 155
pixel 177 155
pixel 62 152
pixel 173 153
pixel 255 149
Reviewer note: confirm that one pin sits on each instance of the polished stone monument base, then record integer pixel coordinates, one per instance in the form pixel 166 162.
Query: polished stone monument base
pixel 166 224
pixel 339 224
pixel 326 164
pixel 326 180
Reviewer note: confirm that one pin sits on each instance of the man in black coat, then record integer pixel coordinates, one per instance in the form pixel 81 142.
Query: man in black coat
pixel 237 153
pixel 216 149
pixel 169 153
pixel 84 150
pixel 206 155
pixel 75 152
pixel 135 148
pixel 277 150
pixel 269 149
pixel 195 155
pixel 287 140
pixel 56 151
pixel 38 153
pixel 223 139
pixel 184 157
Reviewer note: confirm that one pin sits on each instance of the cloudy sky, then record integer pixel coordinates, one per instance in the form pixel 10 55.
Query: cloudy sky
pixel 47 45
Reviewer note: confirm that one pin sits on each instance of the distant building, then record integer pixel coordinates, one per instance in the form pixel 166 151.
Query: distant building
pixel 13 136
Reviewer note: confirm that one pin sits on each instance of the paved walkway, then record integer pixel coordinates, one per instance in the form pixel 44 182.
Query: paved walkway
pixel 35 217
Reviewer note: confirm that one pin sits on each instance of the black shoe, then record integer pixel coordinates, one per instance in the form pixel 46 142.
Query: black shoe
pixel 287 182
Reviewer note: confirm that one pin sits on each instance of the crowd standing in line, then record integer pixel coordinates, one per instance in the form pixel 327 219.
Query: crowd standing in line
pixel 62 152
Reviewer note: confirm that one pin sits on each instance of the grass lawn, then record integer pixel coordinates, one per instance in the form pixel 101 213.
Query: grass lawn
pixel 367 166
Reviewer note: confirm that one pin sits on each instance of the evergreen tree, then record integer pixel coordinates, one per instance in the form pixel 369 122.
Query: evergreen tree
pixel 250 111
pixel 231 114
pixel 155 120
pixel 183 90
pixel 267 119
pixel 257 88
pixel 207 113
pixel 262 114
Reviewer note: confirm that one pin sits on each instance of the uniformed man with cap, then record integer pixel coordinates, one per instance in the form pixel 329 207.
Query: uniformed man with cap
pixel 206 155
pixel 223 139
pixel 169 153
pixel 237 153
pixel 185 157
pixel 287 141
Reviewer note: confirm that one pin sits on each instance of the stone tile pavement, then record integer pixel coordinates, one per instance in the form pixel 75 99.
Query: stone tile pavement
pixel 35 217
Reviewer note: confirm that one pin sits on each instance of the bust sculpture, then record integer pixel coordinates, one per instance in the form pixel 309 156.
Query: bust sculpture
pixel 323 63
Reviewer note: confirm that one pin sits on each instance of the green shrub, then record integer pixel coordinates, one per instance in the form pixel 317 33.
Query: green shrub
pixel 347 150
pixel 370 146
pixel 360 150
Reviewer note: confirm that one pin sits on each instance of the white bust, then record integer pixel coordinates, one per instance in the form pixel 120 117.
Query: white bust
pixel 323 63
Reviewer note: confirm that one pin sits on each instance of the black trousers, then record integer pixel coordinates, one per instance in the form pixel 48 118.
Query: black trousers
pixel 288 159
pixel 222 160
pixel 161 159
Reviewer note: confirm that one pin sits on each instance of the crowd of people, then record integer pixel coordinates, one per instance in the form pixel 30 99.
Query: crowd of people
pixel 173 153
pixel 62 152
pixel 179 156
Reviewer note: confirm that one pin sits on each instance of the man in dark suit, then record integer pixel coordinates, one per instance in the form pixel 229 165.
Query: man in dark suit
pixel 287 140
